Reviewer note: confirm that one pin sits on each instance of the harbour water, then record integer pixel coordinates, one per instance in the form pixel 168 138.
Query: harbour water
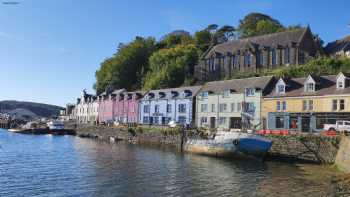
pixel 49 165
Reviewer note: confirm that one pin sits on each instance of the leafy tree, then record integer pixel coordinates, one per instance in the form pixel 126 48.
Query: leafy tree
pixel 171 67
pixel 175 38
pixel 202 40
pixel 248 26
pixel 127 67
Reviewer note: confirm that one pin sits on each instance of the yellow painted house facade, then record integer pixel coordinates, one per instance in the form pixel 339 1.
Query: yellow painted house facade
pixel 306 104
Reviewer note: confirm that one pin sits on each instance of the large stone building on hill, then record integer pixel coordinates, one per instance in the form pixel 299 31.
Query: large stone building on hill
pixel 270 51
pixel 339 48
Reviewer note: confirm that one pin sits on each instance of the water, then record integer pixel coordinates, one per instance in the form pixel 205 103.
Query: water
pixel 71 166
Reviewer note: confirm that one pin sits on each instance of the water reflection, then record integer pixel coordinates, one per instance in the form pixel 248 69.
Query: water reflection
pixel 64 166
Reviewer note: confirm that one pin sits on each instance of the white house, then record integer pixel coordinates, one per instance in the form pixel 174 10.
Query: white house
pixel 86 109
pixel 159 107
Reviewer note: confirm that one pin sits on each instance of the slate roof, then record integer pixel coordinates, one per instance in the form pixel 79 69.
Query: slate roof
pixel 338 45
pixel 238 85
pixel 168 92
pixel 269 40
pixel 295 87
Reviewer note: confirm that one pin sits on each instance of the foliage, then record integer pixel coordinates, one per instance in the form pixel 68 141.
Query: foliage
pixel 171 67
pixel 255 24
pixel 126 68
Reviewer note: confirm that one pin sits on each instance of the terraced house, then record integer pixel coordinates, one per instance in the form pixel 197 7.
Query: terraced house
pixel 232 104
pixel 306 104
pixel 107 102
pixel 253 54
pixel 159 107
pixel 126 108
pixel 86 108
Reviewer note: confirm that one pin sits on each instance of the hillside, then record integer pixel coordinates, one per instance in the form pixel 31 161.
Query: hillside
pixel 21 108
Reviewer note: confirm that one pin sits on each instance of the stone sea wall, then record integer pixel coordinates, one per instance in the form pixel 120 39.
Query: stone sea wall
pixel 305 147
pixel 343 156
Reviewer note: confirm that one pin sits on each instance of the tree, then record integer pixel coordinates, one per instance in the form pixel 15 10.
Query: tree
pixel 248 26
pixel 171 67
pixel 127 67
pixel 175 38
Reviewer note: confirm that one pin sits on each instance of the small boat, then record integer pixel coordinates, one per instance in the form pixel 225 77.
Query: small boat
pixel 231 144
pixel 55 125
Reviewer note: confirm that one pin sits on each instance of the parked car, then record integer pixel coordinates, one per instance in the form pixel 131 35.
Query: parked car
pixel 341 125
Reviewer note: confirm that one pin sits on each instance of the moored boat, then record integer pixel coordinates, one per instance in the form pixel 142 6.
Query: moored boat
pixel 55 125
pixel 231 144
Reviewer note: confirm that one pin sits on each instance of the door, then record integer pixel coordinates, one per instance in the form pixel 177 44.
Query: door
pixel 212 122
pixel 305 124
pixel 235 123
pixel 150 120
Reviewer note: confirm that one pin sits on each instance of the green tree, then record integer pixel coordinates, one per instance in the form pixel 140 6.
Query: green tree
pixel 171 67
pixel 127 67
pixel 251 25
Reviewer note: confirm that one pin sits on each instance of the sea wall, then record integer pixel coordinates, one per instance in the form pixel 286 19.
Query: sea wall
pixel 306 148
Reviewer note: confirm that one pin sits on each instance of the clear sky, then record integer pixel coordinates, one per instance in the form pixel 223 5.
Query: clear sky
pixel 50 50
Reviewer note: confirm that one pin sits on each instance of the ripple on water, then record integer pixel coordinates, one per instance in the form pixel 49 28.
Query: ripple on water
pixel 69 166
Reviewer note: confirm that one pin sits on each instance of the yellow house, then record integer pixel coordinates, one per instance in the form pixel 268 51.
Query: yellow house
pixel 306 104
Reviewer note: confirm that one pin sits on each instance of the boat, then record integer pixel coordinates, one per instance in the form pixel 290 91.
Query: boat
pixel 231 144
pixel 55 125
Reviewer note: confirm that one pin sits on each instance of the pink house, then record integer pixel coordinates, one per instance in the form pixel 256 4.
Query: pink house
pixel 107 105
pixel 126 108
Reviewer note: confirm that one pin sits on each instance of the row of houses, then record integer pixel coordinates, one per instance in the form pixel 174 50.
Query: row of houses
pixel 300 104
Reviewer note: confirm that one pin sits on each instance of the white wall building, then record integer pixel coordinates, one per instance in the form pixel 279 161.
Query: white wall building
pixel 86 109
pixel 159 107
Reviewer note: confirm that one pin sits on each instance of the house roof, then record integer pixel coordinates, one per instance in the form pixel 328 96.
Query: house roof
pixel 238 85
pixel 338 45
pixel 168 91
pixel 295 87
pixel 270 40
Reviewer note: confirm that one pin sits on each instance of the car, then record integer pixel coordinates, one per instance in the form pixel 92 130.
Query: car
pixel 340 125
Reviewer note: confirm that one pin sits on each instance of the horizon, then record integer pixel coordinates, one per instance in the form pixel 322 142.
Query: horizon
pixel 51 50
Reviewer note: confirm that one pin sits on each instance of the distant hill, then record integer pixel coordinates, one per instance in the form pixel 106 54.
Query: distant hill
pixel 29 110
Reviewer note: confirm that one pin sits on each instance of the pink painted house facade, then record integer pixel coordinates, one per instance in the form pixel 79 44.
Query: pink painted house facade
pixel 126 108
pixel 107 106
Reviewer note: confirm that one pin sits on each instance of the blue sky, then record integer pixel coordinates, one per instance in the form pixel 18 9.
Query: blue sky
pixel 50 50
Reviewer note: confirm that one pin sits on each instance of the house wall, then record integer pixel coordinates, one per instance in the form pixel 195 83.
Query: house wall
pixel 106 108
pixel 234 98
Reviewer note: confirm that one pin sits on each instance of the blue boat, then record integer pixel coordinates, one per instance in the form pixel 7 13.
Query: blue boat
pixel 231 144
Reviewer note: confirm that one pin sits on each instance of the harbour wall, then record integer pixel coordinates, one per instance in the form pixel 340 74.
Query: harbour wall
pixel 291 148
pixel 343 157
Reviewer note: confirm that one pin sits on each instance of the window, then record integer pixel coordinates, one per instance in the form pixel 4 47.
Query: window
pixel 293 122
pixel 301 57
pixel 156 109
pixel 204 107
pixel 204 94
pixel 311 105
pixel 146 108
pixel 204 120
pixel 286 55
pixel 340 85
pixel 261 58
pixel 250 107
pixel 310 87
pixel 168 108
pixel 182 108
pixel 232 107
pixel 182 119
pixel 223 107
pixel 239 107
pixel 304 105
pixel 249 92
pixel 226 93
pixel 222 120
pixel 279 122
pixel 284 105
pixel 156 120
pixel 247 59
pixel 281 89
pixel 273 56
pixel 213 108
pixel 335 105
pixel 146 119
pixel 278 106
pixel 341 104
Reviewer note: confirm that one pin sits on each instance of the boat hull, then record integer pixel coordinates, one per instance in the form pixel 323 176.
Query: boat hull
pixel 241 146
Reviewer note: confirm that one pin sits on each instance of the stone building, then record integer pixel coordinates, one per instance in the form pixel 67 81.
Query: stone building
pixel 339 48
pixel 253 54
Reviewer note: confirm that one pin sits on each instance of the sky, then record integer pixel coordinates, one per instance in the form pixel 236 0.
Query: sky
pixel 50 50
